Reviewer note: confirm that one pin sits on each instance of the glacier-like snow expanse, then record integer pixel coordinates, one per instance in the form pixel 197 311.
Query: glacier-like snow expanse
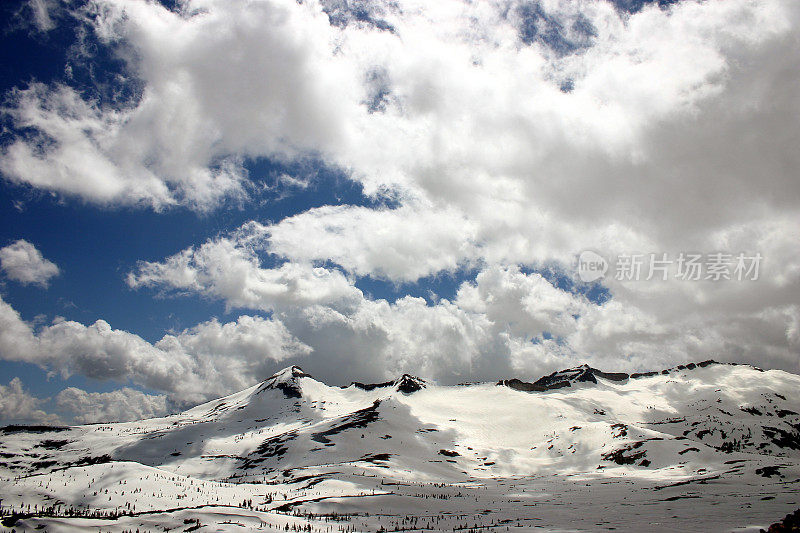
pixel 701 447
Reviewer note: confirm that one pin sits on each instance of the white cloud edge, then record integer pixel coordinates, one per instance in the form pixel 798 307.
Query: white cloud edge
pixel 21 261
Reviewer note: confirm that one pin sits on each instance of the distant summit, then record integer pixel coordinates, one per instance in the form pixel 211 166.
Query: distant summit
pixel 586 374
pixel 406 383
pixel 286 380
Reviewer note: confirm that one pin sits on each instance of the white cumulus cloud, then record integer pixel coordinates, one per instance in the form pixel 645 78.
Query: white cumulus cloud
pixel 22 262
pixel 121 405
pixel 662 131
pixel 206 361
pixel 18 405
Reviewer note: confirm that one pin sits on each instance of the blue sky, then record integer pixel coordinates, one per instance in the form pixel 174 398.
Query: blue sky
pixel 383 188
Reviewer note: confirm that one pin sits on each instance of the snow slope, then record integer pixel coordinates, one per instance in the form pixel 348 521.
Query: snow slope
pixel 705 446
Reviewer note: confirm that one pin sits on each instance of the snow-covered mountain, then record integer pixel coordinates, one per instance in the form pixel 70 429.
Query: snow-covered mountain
pixel 705 446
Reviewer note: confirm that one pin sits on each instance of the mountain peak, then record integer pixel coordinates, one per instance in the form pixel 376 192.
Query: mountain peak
pixel 408 383
pixel 290 372
pixel 405 383
pixel 580 374
pixel 286 380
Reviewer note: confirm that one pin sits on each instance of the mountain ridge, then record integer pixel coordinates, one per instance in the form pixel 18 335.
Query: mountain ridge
pixel 586 373
pixel 292 444
pixel 286 378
